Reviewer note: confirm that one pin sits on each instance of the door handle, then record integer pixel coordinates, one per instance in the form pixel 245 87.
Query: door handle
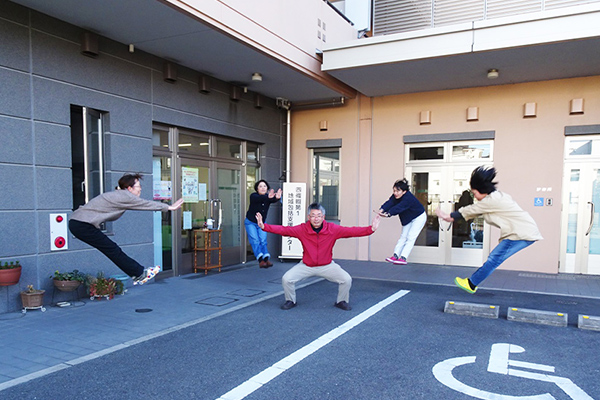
pixel 591 218
pixel 440 221
pixel 442 228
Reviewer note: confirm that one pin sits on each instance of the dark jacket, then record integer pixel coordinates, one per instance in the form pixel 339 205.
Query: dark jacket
pixel 259 203
pixel 406 207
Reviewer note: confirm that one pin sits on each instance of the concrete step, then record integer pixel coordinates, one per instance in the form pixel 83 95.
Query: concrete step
pixel 588 322
pixel 472 309
pixel 537 316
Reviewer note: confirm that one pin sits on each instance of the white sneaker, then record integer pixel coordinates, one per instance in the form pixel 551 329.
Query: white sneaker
pixel 148 274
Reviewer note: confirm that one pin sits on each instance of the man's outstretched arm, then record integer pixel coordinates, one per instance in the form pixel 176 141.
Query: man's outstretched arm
pixel 293 231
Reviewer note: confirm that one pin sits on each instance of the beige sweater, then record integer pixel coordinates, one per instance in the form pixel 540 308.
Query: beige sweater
pixel 111 205
pixel 500 210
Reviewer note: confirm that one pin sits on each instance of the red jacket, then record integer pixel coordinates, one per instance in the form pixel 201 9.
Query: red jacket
pixel 318 247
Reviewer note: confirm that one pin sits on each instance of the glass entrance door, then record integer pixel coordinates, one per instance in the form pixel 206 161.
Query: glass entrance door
pixel 425 184
pixel 580 236
pixel 162 190
pixel 229 191
pixel 194 187
pixel 459 243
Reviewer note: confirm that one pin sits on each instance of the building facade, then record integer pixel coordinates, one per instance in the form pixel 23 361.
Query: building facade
pixel 66 97
pixel 548 161
pixel 449 86
pixel 205 98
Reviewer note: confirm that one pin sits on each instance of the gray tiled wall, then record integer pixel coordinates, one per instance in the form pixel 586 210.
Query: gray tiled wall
pixel 42 74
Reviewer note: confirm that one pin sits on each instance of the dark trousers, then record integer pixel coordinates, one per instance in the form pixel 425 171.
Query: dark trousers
pixel 93 236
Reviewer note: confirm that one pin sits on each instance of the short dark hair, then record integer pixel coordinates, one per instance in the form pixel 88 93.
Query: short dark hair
pixel 401 184
pixel 482 179
pixel 128 180
pixel 316 206
pixel 262 180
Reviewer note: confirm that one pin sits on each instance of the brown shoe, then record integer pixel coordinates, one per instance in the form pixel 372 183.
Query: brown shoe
pixel 343 305
pixel 268 264
pixel 263 264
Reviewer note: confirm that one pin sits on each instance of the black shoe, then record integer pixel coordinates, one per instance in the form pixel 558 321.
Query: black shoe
pixel 288 304
pixel 343 305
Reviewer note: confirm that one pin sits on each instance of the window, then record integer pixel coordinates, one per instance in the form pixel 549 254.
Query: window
pixel 587 146
pixel 228 149
pixel 160 138
pixel 194 144
pixel 252 152
pixel 426 153
pixel 471 151
pixel 326 180
pixel 450 151
pixel 87 154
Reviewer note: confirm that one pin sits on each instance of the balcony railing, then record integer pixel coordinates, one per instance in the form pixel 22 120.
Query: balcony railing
pixel 394 16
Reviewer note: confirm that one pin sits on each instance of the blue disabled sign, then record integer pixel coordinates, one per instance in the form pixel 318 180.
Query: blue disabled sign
pixel 538 202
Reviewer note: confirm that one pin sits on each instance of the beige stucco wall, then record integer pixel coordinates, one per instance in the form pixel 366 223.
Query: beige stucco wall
pixel 528 153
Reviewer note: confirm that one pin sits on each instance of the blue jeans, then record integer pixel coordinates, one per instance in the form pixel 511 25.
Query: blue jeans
pixel 257 238
pixel 505 249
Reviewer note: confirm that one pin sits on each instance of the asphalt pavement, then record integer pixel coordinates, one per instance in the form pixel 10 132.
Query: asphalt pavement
pixel 200 336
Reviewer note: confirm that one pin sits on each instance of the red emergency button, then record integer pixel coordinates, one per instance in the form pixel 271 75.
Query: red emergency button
pixel 59 242
pixel 59 218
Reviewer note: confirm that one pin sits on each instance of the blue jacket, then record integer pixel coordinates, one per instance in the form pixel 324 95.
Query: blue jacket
pixel 406 207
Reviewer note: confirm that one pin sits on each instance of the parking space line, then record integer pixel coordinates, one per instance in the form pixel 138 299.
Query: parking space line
pixel 145 338
pixel 284 364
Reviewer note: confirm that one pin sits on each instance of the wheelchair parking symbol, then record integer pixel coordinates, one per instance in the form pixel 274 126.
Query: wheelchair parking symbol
pixel 501 364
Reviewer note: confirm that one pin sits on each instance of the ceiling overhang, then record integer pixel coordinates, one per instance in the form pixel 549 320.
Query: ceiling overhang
pixel 531 47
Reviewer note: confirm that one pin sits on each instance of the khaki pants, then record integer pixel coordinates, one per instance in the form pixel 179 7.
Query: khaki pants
pixel 332 272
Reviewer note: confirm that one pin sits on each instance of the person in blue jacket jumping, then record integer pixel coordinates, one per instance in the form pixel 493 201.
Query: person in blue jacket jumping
pixel 412 217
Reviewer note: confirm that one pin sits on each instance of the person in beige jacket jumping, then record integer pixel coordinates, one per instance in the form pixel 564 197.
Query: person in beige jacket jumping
pixel 517 229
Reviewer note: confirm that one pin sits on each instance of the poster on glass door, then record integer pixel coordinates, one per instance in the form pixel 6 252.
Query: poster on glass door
pixel 189 184
pixel 293 213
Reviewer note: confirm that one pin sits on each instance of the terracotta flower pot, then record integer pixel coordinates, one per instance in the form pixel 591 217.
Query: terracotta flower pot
pixel 66 286
pixel 32 299
pixel 10 277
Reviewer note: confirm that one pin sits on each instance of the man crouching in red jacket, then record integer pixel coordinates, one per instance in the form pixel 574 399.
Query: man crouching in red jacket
pixel 317 237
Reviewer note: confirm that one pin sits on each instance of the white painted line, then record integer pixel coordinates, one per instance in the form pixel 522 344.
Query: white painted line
pixel 572 390
pixel 98 354
pixel 33 375
pixel 443 373
pixel 528 365
pixel 281 366
pixel 498 363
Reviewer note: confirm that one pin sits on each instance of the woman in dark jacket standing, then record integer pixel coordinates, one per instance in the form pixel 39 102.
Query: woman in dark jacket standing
pixel 412 217
pixel 260 201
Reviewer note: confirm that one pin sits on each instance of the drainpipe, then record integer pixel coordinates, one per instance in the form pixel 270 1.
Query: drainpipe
pixel 288 145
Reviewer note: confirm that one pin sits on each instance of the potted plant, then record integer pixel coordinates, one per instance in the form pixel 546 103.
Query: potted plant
pixel 10 273
pixel 68 281
pixel 32 299
pixel 104 287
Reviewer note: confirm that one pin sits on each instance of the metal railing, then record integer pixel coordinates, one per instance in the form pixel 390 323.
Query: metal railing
pixel 395 16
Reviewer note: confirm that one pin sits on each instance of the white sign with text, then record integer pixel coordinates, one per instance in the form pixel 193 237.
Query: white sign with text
pixel 293 213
